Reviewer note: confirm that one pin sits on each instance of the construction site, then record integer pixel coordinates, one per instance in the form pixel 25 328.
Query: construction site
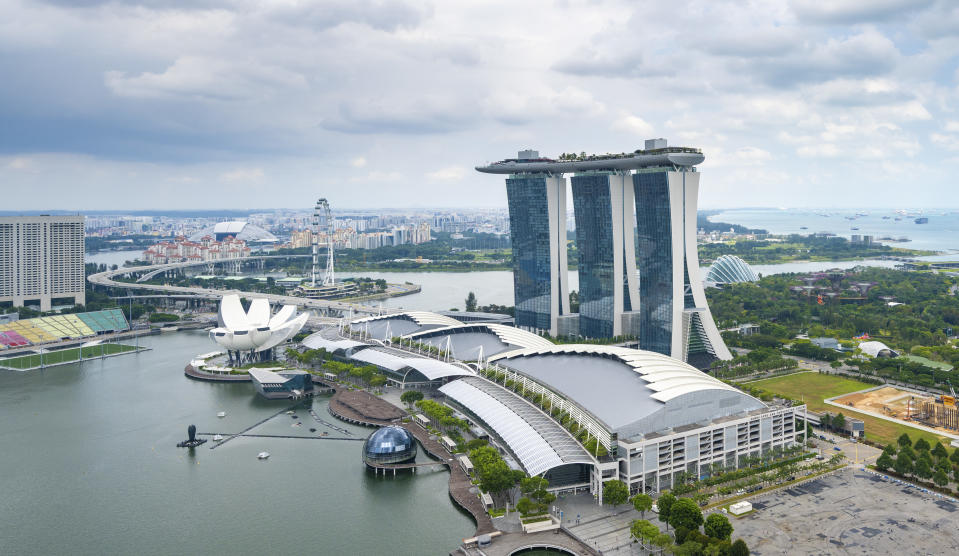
pixel 938 412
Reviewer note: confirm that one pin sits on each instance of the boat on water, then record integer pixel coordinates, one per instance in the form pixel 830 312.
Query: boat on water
pixel 854 228
pixel 804 227
pixel 221 414
pixel 217 437
pixel 263 455
pixel 921 220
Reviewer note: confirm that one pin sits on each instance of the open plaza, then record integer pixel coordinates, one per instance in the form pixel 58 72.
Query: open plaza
pixel 851 512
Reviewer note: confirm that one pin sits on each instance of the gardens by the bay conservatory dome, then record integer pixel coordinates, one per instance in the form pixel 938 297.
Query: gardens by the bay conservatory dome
pixel 389 445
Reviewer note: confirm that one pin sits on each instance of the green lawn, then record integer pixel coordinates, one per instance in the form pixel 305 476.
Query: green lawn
pixel 813 388
pixel 63 355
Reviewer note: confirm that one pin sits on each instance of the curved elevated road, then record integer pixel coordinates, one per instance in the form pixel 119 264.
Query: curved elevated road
pixel 107 279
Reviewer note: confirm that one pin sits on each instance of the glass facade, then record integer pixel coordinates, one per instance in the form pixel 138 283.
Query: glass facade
pixel 654 257
pixel 530 234
pixel 389 445
pixel 594 240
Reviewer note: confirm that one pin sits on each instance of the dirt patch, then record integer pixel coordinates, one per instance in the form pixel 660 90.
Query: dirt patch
pixel 888 400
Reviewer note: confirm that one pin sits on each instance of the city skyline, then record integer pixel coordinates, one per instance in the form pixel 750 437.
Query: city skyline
pixel 817 105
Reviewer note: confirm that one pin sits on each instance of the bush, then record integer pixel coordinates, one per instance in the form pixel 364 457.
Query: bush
pixel 163 317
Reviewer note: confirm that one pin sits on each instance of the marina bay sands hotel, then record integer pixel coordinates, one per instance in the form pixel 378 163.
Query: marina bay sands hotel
pixel 635 217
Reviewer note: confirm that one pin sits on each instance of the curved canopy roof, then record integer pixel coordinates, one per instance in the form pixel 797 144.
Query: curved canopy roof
pixel 317 341
pixel 396 361
pixel 730 269
pixel 877 349
pixel 237 228
pixel 465 340
pixel 538 442
pixel 384 327
pixel 633 392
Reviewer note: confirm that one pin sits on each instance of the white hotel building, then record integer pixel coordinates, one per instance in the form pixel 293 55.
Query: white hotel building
pixel 41 260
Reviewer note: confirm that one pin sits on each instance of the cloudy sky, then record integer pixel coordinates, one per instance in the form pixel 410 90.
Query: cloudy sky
pixel 370 103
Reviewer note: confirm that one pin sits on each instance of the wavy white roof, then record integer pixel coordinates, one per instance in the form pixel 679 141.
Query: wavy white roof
pixel 631 391
pixel 422 318
pixel 510 336
pixel 538 442
pixel 396 361
pixel 317 341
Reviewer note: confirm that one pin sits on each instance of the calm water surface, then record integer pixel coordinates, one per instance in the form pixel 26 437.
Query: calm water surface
pixel 89 466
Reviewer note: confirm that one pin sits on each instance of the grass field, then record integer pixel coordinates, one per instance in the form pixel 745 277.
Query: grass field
pixel 813 388
pixel 63 355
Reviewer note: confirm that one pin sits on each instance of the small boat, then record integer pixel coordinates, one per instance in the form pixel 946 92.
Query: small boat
pixel 312 430
pixel 290 412
pixel 221 414
pixel 324 433
pixel 217 437
pixel 804 227
pixel 263 455
pixel 854 228
pixel 921 220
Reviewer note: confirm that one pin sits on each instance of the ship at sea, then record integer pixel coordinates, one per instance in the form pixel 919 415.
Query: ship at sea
pixel 921 220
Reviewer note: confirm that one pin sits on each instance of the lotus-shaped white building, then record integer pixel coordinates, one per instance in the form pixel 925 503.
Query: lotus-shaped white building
pixel 255 330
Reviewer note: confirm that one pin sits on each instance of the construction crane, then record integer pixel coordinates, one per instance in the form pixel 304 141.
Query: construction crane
pixel 321 213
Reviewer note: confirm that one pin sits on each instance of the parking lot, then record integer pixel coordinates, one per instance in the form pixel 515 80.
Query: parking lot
pixel 850 512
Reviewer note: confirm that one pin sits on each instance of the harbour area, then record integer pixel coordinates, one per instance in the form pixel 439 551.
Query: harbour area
pixel 103 434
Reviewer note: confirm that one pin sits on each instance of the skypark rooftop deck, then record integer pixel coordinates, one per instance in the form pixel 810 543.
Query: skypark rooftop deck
pixel 667 156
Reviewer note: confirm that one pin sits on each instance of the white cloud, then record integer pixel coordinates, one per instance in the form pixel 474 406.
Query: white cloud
pixel 630 123
pixel 358 162
pixel 827 150
pixel 952 125
pixel 19 163
pixel 949 142
pixel 450 173
pixel 243 175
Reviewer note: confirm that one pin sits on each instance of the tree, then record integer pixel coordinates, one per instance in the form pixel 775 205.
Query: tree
pixel 839 422
pixel 642 502
pixel 471 302
pixel 923 471
pixel 904 440
pixel 377 380
pixel 940 478
pixel 717 526
pixel 885 462
pixel 664 505
pixel 940 451
pixel 889 450
pixel 954 457
pixel 739 548
pixel 615 492
pixel 663 540
pixel 643 530
pixel 685 513
pixel 835 364
pixel 903 464
pixel 921 445
pixel 410 397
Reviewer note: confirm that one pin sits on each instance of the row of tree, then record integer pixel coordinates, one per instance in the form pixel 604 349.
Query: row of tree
pixel 920 460
pixel 686 518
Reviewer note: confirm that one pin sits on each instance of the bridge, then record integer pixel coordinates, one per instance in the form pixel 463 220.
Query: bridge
pixel 108 279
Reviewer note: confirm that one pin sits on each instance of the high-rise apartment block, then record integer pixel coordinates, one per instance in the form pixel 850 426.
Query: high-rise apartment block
pixel 635 217
pixel 41 260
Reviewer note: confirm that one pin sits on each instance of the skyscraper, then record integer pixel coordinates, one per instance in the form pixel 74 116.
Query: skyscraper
pixel 537 213
pixel 41 260
pixel 635 217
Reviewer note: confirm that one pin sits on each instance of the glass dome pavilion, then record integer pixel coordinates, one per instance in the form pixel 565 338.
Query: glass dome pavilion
pixel 389 445
pixel 730 269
